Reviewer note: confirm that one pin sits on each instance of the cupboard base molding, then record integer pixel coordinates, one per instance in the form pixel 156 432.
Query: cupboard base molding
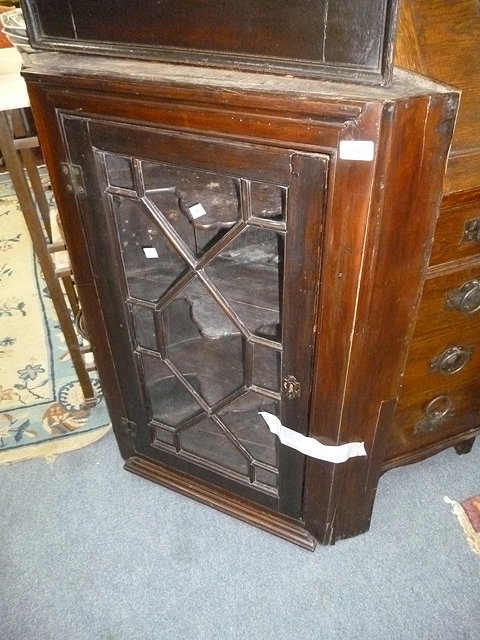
pixel 213 497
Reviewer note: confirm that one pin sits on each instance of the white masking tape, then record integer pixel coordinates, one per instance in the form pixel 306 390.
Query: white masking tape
pixel 310 446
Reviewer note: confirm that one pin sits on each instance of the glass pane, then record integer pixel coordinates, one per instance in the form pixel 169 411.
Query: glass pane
pixel 264 476
pixel 150 262
pixel 249 273
pixel 209 442
pixel 167 202
pixel 143 321
pixel 242 419
pixel 197 390
pixel 267 366
pixel 170 402
pixel 164 435
pixel 268 201
pixel 119 171
pixel 201 205
pixel 201 341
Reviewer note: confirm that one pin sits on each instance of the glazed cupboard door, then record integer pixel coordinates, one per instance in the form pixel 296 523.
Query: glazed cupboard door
pixel 206 256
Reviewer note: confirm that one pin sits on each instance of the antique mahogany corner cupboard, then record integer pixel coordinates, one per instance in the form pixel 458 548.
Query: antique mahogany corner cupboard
pixel 246 244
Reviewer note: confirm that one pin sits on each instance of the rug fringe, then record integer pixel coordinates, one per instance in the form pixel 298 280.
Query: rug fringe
pixel 52 448
pixel 473 538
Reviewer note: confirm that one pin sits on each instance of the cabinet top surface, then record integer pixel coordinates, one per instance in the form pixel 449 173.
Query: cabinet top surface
pixel 128 73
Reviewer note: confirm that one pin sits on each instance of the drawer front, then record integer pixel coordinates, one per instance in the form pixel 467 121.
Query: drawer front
pixel 457 235
pixel 450 302
pixel 448 411
pixel 441 360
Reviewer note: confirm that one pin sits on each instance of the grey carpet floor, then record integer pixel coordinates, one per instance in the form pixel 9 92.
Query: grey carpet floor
pixel 91 552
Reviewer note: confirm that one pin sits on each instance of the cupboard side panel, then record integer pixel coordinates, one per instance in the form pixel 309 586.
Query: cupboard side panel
pixel 404 207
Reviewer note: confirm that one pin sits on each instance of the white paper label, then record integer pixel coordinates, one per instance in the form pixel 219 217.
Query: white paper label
pixel 363 150
pixel 197 211
pixel 310 446
pixel 150 252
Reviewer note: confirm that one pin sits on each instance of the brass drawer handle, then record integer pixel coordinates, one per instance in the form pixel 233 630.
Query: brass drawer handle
pixel 437 413
pixel 451 360
pixel 466 298
pixel 471 231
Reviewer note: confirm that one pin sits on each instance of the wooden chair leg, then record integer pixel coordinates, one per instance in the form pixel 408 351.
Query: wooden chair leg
pixel 25 142
pixel 71 293
pixel 30 164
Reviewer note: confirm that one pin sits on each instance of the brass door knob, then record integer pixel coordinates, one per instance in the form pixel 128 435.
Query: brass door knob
pixel 291 387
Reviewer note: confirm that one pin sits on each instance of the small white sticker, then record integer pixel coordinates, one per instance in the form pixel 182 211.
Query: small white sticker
pixel 150 252
pixel 363 150
pixel 197 211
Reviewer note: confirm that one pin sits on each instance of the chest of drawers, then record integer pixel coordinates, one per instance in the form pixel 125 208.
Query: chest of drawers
pixel 439 405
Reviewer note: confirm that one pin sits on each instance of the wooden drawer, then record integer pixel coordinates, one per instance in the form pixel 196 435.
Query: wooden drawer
pixel 450 301
pixel 441 361
pixel 451 241
pixel 434 418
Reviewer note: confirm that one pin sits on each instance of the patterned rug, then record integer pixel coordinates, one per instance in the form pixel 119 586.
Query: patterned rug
pixel 468 515
pixel 41 403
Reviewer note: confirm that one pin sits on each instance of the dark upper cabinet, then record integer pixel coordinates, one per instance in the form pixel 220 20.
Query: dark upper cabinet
pixel 338 39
